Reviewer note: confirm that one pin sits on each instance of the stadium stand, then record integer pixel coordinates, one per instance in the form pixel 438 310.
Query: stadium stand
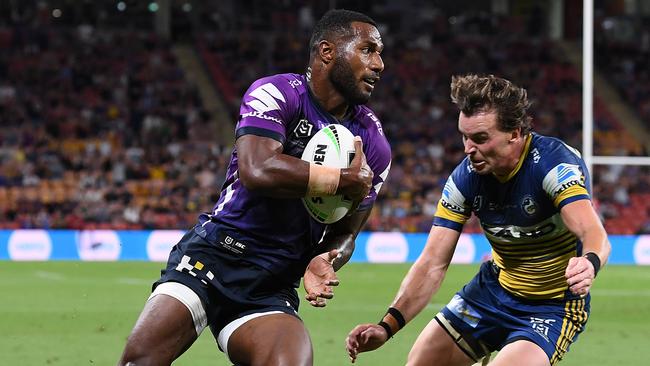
pixel 102 129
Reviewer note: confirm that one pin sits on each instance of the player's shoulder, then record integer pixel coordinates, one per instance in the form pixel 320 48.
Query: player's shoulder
pixel 279 86
pixel 369 121
pixel 549 151
pixel 465 170
pixel 464 176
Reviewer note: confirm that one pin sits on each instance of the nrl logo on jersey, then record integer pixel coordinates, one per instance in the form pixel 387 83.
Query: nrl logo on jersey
pixel 303 129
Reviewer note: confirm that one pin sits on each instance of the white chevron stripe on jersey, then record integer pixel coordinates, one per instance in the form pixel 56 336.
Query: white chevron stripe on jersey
pixel 383 177
pixel 267 97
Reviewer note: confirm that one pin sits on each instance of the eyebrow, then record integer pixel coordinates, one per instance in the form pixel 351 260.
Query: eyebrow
pixel 475 135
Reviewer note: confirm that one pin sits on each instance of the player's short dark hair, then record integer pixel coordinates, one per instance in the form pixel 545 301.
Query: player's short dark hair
pixel 336 23
pixel 474 94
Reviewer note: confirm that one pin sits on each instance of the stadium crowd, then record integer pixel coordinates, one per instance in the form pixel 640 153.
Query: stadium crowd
pixel 101 129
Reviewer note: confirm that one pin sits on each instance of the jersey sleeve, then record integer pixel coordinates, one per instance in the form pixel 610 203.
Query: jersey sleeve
pixel 267 108
pixel 454 207
pixel 566 177
pixel 378 156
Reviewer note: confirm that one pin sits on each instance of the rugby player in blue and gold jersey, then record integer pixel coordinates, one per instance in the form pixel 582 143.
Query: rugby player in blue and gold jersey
pixel 531 194
pixel 238 269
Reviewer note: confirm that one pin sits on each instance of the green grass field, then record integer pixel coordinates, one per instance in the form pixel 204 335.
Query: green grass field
pixel 76 313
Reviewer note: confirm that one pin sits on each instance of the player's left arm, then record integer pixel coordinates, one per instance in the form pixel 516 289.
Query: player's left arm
pixel 338 241
pixel 581 219
pixel 338 244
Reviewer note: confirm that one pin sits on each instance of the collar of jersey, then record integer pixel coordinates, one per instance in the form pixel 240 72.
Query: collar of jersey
pixel 522 157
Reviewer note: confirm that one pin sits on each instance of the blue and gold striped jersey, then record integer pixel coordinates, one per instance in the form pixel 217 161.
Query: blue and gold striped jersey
pixel 520 215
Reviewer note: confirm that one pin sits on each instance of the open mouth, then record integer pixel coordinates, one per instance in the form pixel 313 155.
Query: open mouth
pixel 478 164
pixel 371 81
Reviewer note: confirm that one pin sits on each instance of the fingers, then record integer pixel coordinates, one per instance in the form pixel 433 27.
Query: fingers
pixel 319 299
pixel 362 338
pixel 358 150
pixel 571 267
pixel 578 266
pixel 582 287
pixel 580 275
pixel 318 303
pixel 352 344
pixel 359 157
pixel 327 294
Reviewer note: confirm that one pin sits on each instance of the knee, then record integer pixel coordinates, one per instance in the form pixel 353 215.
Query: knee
pixel 139 356
pixel 304 358
pixel 280 356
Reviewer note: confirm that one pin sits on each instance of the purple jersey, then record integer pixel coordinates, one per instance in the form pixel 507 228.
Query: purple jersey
pixel 280 231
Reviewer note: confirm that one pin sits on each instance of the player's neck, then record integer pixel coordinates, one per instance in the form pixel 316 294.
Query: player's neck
pixel 329 99
pixel 514 158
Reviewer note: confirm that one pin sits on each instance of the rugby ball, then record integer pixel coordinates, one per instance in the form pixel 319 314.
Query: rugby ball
pixel 332 146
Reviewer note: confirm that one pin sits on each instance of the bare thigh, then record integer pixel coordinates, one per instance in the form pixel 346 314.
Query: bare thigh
pixel 521 352
pixel 164 331
pixel 434 346
pixel 277 339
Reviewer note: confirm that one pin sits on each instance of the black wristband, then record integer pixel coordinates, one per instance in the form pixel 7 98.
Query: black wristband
pixel 398 316
pixel 386 327
pixel 595 260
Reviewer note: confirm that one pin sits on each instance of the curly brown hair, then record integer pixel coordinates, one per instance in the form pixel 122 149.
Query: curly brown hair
pixel 473 94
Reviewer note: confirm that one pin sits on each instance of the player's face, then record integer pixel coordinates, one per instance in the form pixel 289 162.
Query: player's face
pixel 489 149
pixel 358 63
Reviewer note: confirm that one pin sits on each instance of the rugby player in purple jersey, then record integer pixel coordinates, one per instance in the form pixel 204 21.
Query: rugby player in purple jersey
pixel 237 270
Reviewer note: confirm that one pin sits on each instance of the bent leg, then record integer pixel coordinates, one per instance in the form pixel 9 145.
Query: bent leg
pixel 271 340
pixel 435 346
pixel 164 330
pixel 521 352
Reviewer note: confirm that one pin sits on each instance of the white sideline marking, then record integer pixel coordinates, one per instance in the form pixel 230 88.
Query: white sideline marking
pixel 132 281
pixel 49 275
pixel 622 293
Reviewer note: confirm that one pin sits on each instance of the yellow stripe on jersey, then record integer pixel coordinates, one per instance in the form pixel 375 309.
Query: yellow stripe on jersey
pixel 537 252
pixel 575 317
pixel 531 244
pixel 540 279
pixel 445 213
pixel 576 190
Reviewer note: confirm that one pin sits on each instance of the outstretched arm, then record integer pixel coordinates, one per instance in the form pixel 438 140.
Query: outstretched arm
pixel 581 219
pixel 338 245
pixel 421 282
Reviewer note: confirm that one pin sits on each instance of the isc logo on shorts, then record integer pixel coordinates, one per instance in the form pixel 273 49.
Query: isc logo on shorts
pixel 540 326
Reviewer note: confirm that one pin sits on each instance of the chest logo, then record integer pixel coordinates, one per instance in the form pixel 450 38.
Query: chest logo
pixel 529 206
pixel 303 129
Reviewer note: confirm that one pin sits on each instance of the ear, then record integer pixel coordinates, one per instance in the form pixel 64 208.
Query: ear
pixel 326 51
pixel 515 135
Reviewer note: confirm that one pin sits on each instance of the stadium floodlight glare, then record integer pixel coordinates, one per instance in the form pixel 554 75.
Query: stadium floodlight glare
pixel 121 6
pixel 153 7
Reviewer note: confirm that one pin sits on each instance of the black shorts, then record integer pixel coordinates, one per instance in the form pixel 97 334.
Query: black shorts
pixel 229 286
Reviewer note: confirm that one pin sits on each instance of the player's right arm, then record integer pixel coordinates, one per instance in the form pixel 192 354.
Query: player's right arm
pixel 425 276
pixel 421 282
pixel 263 168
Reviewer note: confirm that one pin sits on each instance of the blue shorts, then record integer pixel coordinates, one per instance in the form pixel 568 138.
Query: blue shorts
pixel 229 286
pixel 488 317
